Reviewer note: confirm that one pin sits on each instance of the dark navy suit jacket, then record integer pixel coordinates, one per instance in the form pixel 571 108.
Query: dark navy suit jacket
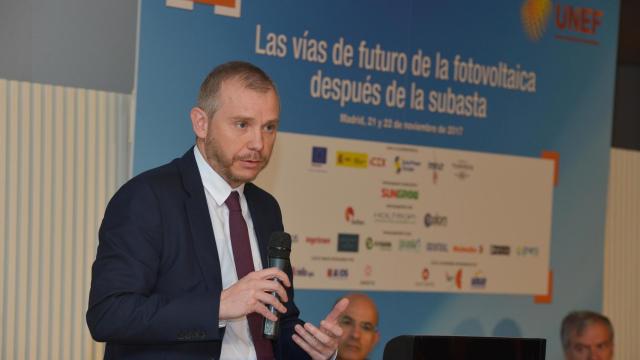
pixel 156 281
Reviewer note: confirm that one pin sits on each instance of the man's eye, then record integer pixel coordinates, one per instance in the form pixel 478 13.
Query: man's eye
pixel 270 127
pixel 345 321
pixel 241 125
pixel 368 327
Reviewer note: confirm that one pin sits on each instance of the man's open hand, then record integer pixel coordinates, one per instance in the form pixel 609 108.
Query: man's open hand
pixel 321 343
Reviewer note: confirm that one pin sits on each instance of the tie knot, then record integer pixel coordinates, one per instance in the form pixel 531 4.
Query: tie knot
pixel 233 201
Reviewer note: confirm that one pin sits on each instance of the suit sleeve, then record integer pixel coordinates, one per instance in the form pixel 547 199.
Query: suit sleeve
pixel 123 306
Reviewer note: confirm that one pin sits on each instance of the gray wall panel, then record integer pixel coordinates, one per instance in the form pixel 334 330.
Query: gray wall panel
pixel 79 43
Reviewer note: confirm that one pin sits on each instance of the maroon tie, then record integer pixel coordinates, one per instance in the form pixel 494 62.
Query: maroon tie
pixel 244 265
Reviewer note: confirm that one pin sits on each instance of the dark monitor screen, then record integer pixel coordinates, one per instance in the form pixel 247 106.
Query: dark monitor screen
pixel 463 348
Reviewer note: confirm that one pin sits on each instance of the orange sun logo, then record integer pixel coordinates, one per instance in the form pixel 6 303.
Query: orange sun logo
pixel 535 15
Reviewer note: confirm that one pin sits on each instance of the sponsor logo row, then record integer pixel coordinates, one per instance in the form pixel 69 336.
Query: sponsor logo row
pixel 397 164
pixel 426 277
pixel 430 219
pixel 351 243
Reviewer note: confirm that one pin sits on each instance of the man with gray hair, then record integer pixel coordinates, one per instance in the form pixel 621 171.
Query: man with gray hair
pixel 587 335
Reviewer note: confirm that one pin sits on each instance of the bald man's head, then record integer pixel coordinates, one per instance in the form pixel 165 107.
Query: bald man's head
pixel 359 323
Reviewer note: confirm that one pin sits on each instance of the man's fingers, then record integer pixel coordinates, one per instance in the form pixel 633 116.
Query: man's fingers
pixel 272 273
pixel 262 310
pixel 316 333
pixel 337 310
pixel 253 293
pixel 319 348
pixel 306 347
pixel 267 298
pixel 304 333
pixel 331 328
pixel 271 286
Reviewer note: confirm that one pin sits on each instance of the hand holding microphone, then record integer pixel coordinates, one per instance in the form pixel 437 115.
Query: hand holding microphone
pixel 260 291
pixel 279 251
pixel 252 292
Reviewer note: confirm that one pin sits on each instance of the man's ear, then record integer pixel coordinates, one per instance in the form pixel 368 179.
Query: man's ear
pixel 376 338
pixel 200 122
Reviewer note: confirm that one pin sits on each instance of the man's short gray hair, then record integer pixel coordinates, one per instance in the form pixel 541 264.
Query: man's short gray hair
pixel 251 76
pixel 577 321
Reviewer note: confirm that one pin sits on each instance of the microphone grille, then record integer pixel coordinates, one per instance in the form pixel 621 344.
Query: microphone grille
pixel 279 243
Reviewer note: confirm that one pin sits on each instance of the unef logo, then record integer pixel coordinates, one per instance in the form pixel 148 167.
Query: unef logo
pixel 220 7
pixel 573 23
pixel 535 15
pixel 575 20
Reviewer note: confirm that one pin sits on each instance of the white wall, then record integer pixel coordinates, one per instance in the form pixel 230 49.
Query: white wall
pixel 64 151
pixel 622 251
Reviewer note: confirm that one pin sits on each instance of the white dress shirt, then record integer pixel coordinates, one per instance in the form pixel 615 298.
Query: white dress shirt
pixel 237 343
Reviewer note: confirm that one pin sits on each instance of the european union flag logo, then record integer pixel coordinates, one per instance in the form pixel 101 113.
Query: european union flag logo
pixel 319 155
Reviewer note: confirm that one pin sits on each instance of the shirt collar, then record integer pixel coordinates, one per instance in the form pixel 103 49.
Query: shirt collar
pixel 213 182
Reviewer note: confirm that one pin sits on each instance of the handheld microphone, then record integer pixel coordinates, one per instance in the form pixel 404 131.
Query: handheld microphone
pixel 279 250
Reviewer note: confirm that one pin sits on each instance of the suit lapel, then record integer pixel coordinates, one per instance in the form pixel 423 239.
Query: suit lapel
pixel 200 221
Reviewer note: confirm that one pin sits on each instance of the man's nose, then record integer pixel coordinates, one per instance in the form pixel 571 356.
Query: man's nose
pixel 355 332
pixel 255 141
pixel 593 354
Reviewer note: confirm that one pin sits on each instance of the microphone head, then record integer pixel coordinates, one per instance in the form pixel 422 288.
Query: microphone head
pixel 279 244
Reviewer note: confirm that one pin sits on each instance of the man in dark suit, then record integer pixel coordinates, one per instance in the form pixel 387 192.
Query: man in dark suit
pixel 179 270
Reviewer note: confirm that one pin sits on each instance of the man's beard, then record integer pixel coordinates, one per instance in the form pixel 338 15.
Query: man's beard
pixel 216 159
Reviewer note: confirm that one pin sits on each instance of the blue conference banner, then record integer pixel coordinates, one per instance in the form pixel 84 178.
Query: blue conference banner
pixel 521 78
